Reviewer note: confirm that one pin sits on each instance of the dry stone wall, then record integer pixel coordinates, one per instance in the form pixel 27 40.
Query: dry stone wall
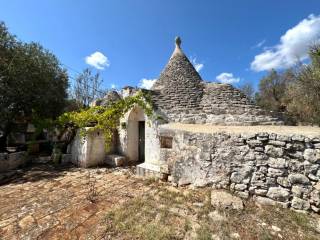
pixel 10 161
pixel 271 168
pixel 219 104
pixel 224 104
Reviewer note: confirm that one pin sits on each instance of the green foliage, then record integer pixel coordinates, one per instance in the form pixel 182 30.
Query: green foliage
pixel 31 81
pixel 106 118
pixel 272 90
pixel 295 92
pixel 303 96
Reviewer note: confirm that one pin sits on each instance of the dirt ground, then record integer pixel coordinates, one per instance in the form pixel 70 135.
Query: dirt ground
pixel 49 202
pixel 45 202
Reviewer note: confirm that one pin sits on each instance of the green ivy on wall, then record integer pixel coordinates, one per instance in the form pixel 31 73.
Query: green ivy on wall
pixel 106 118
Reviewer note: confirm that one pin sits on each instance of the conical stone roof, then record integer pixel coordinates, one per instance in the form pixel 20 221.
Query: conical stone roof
pixel 179 86
pixel 181 95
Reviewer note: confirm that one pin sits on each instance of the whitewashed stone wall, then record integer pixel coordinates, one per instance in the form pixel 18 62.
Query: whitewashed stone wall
pixel 271 168
pixel 88 151
pixel 129 137
pixel 152 148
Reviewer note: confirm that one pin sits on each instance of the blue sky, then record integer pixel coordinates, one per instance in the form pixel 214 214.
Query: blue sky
pixel 233 40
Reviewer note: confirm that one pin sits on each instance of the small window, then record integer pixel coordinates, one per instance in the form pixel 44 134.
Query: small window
pixel 166 142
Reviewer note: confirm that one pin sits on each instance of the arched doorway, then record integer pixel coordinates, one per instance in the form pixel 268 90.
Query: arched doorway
pixel 136 135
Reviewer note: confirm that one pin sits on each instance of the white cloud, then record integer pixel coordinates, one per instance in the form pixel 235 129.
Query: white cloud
pixel 259 44
pixel 98 60
pixel 227 78
pixel 113 86
pixel 146 83
pixel 293 46
pixel 197 66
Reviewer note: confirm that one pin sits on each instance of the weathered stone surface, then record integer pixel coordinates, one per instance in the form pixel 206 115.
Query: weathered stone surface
pixel 115 160
pixel 259 149
pixel 268 201
pixel 298 190
pixel 310 168
pixel 277 163
pixel 297 178
pixel 315 198
pixel 297 138
pixel 300 204
pixel 298 146
pixel 243 170
pixel 277 143
pixel 241 175
pixel 255 143
pixel 240 187
pixel 184 181
pixel 225 200
pixel 274 151
pixel 315 139
pixel 313 177
pixel 278 193
pixel 295 155
pixel 283 181
pixel 274 172
pixel 271 181
pixel 261 192
pixel 243 195
pixel 312 155
pixel 315 209
pixel 283 138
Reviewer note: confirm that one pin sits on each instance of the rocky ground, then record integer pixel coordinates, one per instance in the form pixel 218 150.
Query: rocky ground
pixel 48 202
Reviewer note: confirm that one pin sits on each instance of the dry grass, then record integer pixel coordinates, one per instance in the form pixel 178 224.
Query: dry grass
pixel 170 213
pixel 285 130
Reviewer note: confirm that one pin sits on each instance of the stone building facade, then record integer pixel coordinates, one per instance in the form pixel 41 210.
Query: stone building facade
pixel 273 168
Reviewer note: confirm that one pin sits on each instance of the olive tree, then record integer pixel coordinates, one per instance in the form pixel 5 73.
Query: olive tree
pixel 32 82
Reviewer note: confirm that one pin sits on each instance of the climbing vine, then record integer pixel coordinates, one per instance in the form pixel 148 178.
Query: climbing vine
pixel 106 118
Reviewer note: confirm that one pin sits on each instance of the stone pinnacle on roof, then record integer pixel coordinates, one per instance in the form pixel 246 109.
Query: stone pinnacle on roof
pixel 178 41
pixel 177 50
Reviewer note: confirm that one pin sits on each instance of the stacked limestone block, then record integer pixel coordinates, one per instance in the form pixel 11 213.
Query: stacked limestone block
pixel 271 168
pixel 224 104
pixel 179 88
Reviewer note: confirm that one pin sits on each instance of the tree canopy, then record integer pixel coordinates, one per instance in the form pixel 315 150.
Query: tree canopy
pixel 32 81
pixel 295 92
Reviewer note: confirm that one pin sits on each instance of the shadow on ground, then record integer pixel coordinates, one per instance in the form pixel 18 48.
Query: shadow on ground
pixel 35 172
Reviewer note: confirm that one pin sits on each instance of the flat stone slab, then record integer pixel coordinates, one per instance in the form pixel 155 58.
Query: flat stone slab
pixel 115 160
pixel 148 170
pixel 282 130
pixel 225 200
